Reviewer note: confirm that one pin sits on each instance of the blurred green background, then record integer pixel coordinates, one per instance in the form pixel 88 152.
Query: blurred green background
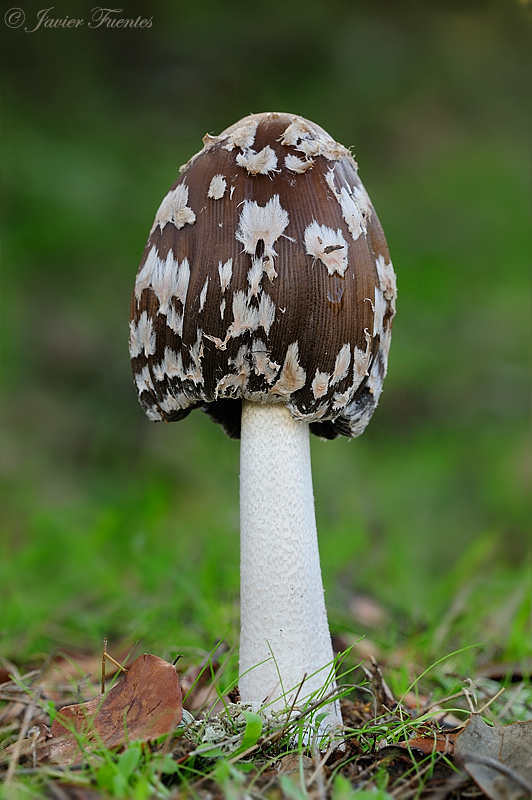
pixel 112 525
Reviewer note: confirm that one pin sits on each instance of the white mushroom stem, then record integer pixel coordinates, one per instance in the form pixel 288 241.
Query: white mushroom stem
pixel 285 635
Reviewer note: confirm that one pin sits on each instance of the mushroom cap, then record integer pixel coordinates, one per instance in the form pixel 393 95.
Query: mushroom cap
pixel 266 276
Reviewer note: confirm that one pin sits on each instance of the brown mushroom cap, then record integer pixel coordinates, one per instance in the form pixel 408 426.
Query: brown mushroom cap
pixel 266 276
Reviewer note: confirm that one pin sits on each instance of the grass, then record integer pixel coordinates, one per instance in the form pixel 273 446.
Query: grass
pixel 233 751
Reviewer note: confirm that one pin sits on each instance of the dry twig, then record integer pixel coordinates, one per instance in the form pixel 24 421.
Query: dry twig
pixel 22 734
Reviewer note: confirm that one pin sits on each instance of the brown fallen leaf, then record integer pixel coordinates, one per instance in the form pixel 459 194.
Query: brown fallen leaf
pixel 498 758
pixel 145 704
pixel 294 762
pixel 147 701
pixel 431 743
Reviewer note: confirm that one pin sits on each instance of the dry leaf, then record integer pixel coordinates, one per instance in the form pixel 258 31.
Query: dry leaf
pixel 145 704
pixel 498 758
pixel 294 762
pixel 432 743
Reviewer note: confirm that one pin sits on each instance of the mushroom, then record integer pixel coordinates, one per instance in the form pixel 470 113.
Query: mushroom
pixel 265 297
